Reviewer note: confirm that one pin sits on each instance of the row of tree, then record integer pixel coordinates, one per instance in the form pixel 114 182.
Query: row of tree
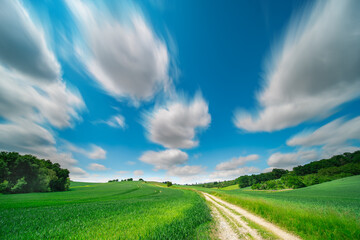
pixel 124 180
pixel 339 166
pixel 27 173
pixel 336 167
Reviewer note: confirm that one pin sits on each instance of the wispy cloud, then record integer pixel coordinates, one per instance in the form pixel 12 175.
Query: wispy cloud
pixel 232 173
pixel 95 152
pixel 116 121
pixel 290 160
pixel 314 70
pixel 125 57
pixel 334 138
pixel 97 167
pixel 185 171
pixel 138 173
pixel 34 99
pixel 236 162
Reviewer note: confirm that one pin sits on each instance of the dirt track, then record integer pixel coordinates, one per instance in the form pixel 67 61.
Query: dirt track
pixel 234 222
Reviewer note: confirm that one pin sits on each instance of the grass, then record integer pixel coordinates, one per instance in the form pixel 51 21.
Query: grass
pixel 231 187
pixel 126 210
pixel 329 210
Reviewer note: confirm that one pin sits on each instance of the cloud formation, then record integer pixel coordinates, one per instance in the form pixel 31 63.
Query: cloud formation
pixel 233 173
pixel 164 159
pixel 138 173
pixel 33 96
pixel 23 45
pixel 335 137
pixel 314 70
pixel 117 121
pixel 125 57
pixel 236 162
pixel 175 125
pixel 95 152
pixel 97 167
pixel 290 160
pixel 185 171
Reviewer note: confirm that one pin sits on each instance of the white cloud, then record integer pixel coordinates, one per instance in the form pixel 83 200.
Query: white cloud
pixel 314 71
pixel 122 172
pixel 95 152
pixel 175 125
pixel 185 171
pixel 117 121
pixel 33 96
pixel 23 45
pixel 125 57
pixel 138 173
pixel 234 173
pixel 164 159
pixel 97 167
pixel 236 162
pixel 334 133
pixel 335 137
pixel 290 160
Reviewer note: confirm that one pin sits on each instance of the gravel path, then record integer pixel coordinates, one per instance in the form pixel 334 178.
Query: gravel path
pixel 231 224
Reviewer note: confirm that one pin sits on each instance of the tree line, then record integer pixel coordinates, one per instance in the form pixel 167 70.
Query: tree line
pixel 27 173
pixel 339 166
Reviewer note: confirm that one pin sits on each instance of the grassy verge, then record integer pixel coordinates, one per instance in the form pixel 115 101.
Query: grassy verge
pixel 325 211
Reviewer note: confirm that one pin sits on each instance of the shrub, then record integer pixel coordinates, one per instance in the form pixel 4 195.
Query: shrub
pixel 20 186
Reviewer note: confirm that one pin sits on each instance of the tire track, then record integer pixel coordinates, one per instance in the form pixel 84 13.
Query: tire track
pixel 235 216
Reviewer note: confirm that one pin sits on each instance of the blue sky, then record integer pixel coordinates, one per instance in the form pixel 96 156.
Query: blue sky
pixel 188 91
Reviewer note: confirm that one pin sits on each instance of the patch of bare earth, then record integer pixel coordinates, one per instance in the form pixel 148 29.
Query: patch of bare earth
pixel 233 222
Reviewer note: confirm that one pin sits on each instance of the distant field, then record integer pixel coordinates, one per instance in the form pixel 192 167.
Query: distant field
pixel 231 187
pixel 329 210
pixel 126 210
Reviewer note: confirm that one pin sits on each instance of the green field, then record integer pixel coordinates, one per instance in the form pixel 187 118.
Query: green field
pixel 231 187
pixel 126 210
pixel 329 210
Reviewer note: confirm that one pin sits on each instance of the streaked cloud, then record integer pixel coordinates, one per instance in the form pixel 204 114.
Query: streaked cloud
pixel 233 173
pixel 290 160
pixel 125 56
pixel 97 167
pixel 335 137
pixel 116 121
pixel 236 162
pixel 94 152
pixel 23 46
pixel 185 171
pixel 312 72
pixel 34 98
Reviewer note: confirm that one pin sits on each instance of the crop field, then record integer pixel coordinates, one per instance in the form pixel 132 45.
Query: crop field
pixel 231 187
pixel 329 210
pixel 126 210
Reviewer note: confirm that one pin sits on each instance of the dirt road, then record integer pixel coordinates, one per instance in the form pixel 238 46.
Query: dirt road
pixel 234 222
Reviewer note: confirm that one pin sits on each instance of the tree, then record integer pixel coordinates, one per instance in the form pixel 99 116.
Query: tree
pixel 169 184
pixel 27 173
